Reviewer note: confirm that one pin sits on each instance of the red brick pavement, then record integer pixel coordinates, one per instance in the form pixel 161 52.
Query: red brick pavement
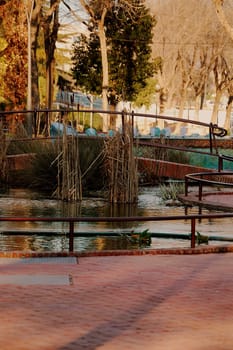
pixel 152 302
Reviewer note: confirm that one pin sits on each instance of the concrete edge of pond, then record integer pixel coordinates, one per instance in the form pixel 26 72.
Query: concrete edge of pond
pixel 207 249
pixel 210 200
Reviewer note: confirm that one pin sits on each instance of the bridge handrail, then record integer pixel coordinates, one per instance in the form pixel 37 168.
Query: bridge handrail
pixel 214 129
pixel 198 177
pixel 125 113
pixel 222 157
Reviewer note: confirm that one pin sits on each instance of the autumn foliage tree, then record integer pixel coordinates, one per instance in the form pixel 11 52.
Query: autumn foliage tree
pixel 14 53
pixel 122 70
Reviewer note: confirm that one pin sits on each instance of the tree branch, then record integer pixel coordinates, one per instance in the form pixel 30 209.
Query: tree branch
pixel 222 17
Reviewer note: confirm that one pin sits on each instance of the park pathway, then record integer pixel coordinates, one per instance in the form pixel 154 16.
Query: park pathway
pixel 147 302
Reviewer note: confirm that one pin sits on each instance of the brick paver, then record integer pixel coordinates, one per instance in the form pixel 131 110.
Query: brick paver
pixel 120 302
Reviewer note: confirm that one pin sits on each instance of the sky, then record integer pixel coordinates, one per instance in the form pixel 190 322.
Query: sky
pixel 71 17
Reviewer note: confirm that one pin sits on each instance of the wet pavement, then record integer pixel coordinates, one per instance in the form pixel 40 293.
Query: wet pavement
pixel 117 302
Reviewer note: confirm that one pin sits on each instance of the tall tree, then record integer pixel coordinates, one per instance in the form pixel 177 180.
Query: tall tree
pixel 190 29
pixel 50 27
pixel 129 35
pixel 14 53
pixel 87 66
pixel 97 11
pixel 125 64
pixel 225 22
pixel 222 17
pixel 28 18
pixel 44 15
pixel 40 14
pixel 34 35
pixel 223 81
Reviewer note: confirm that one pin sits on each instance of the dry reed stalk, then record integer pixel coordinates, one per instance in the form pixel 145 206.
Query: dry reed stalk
pixel 69 186
pixel 121 166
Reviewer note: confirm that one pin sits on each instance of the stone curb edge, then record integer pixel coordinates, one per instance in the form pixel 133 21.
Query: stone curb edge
pixel 162 251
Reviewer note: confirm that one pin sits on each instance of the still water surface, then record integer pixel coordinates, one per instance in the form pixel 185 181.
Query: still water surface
pixel 52 236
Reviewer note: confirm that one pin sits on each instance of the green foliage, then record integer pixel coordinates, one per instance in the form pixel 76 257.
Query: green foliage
pixel 163 154
pixel 201 239
pixel 91 163
pixel 86 59
pixel 97 121
pixel 129 38
pixel 178 156
pixel 21 144
pixel 146 96
pixel 171 191
pixel 42 172
pixel 142 238
pixel 13 71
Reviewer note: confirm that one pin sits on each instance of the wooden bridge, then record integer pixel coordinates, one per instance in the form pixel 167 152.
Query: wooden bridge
pixel 164 169
pixel 154 167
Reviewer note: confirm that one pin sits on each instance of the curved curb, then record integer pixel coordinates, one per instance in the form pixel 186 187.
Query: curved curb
pixel 162 251
pixel 192 199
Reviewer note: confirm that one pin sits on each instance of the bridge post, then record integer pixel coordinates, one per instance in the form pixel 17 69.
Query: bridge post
pixel 220 163
pixel 193 228
pixel 71 237
pixel 186 186
pixel 200 191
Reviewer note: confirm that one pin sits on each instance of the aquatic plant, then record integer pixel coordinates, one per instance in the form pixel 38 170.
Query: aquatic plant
pixel 142 238
pixel 171 191
pixel 121 167
pixel 201 239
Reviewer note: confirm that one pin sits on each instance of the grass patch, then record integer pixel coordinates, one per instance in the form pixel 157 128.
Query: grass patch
pixel 171 191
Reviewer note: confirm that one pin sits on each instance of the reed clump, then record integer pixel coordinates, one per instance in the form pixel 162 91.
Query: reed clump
pixel 171 191
pixel 121 167
pixel 69 181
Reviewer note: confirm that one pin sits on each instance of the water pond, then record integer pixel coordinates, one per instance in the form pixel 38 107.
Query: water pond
pixel 42 236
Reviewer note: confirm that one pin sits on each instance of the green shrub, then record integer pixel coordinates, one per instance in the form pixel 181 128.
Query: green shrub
pixel 178 156
pixel 42 172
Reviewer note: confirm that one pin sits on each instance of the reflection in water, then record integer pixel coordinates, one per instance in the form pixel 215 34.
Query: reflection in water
pixel 53 236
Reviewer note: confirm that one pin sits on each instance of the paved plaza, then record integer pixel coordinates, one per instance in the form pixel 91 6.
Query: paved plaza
pixel 148 302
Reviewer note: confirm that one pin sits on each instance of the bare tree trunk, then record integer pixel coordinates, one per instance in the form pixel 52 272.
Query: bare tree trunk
pixel 99 20
pixel 104 57
pixel 197 107
pixel 227 123
pixel 222 17
pixel 182 103
pixel 49 84
pixel 51 26
pixel 214 117
pixel 35 27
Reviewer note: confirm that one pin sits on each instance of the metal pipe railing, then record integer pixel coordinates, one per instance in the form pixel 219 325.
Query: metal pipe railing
pixel 72 220
pixel 198 178
pixel 221 158
pixel 214 129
